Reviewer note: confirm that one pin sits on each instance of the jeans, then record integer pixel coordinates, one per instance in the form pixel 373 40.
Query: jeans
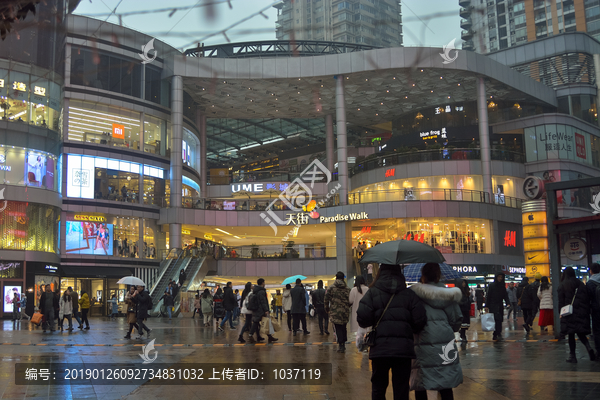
pixel 49 315
pixel 15 314
pixel 446 394
pixel 169 311
pixel 84 319
pixel 255 329
pixel 76 315
pixel 512 309
pixel 69 318
pixel 236 313
pixel 279 312
pixel 297 319
pixel 323 318
pixel 400 377
pixel 228 317
pixel 247 324
pixel 341 333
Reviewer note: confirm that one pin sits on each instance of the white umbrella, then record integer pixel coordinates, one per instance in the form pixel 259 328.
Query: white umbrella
pixel 131 280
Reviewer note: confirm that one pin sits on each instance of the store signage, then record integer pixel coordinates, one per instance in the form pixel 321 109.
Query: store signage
pixel 575 249
pixel 258 187
pixel 344 217
pixel 510 239
pixel 365 229
pixel 537 257
pixel 2 161
pixel 91 218
pixel 375 139
pixel 20 86
pixel 543 269
pixel 534 218
pixel 580 145
pixel 390 172
pixel 185 232
pixel 439 110
pixel 40 91
pixel 51 269
pixel 536 244
pixel 533 187
pixel 118 131
pixel 517 270
pixel 208 236
pixel 433 134
pixel 465 269
pixel 416 237
pixel 1 83
pixel 535 231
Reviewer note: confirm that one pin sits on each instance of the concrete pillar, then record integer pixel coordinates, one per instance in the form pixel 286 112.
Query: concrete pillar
pixel 176 156
pixel 343 232
pixel 329 143
pixel 340 116
pixel 141 252
pixel 484 139
pixel 201 124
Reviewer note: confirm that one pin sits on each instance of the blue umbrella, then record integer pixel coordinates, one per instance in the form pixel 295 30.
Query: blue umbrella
pixel 412 272
pixel 292 279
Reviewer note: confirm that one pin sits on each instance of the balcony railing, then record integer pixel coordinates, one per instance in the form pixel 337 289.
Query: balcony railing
pixel 308 251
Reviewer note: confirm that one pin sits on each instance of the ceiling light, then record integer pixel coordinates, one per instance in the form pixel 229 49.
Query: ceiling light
pixel 221 230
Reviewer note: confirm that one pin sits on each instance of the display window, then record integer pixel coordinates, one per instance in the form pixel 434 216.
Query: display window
pixel 29 226
pixel 21 166
pixel 155 135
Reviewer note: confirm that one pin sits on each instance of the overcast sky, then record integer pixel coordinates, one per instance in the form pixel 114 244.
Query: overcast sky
pixel 186 27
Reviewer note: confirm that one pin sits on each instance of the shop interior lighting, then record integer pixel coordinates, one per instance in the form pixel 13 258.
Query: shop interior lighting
pixel 221 230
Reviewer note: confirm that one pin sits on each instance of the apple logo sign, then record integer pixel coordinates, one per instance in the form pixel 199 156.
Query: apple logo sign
pixel 531 217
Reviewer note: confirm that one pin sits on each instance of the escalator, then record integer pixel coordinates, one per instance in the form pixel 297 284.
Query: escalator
pixel 170 273
pixel 196 271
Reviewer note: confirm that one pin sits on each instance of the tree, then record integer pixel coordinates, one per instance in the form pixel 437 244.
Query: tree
pixel 12 11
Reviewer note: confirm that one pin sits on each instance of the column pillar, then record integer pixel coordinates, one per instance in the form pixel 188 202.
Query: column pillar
pixel 201 124
pixel 329 143
pixel 176 156
pixel 141 248
pixel 343 244
pixel 484 139
pixel 340 116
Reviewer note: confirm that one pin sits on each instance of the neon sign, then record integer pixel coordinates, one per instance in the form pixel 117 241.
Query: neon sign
pixel 93 218
pixel 390 172
pixel 510 239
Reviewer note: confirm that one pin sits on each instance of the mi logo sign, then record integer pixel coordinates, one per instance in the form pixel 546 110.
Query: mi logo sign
pixel 118 131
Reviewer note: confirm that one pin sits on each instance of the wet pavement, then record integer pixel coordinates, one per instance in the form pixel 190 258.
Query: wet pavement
pixel 520 367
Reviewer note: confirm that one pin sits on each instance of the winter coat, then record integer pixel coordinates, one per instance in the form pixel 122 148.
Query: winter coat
pixel 298 300
pixel 579 321
pixel 279 300
pixel 593 287
pixel 354 299
pixel 404 316
pixel 182 277
pixel 245 304
pixel 337 302
pixel 229 299
pixel 512 294
pixel 197 304
pixel 287 300
pixel 496 295
pixel 84 301
pixel 219 308
pixel 75 301
pixel 206 305
pixel 167 300
pixel 42 302
pixel 66 307
pixel 443 319
pixel 142 301
pixel 526 296
pixel 479 297
pixel 520 288
pixel 263 303
pixel 318 297
pixel 465 305
pixel 131 315
pixel 545 297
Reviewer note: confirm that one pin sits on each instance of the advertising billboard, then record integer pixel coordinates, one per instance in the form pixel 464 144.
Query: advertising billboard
pixel 89 238
pixel 9 293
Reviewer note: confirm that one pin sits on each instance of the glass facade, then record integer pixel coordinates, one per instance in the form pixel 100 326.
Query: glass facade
pixel 27 167
pixel 556 141
pixel 29 226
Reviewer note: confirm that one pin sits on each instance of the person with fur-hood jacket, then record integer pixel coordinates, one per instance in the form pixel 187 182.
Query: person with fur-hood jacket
pixel 443 319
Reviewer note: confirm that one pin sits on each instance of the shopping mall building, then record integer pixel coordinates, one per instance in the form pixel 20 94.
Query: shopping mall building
pixel 110 166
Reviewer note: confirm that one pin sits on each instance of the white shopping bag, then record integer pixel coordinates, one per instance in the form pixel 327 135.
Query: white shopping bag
pixel 488 324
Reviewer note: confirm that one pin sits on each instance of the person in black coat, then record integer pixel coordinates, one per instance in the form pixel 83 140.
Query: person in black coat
pixel 263 309
pixel 480 298
pixel 494 301
pixel 572 291
pixel 299 306
pixel 229 303
pixel 593 287
pixel 394 344
pixel 168 302
pixel 142 300
pixel 182 277
pixel 465 308
pixel 527 298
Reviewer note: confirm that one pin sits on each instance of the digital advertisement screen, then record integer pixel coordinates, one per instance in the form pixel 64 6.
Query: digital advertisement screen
pixel 9 294
pixel 35 169
pixel 89 238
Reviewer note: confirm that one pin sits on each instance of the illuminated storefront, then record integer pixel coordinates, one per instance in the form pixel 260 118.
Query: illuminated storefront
pixel 28 167
pixel 29 226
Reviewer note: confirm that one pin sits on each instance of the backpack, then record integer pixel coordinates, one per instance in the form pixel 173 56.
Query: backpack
pixel 253 303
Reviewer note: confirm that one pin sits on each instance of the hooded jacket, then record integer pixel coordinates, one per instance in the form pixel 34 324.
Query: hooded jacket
pixel 229 299
pixel 206 304
pixel 404 316
pixel 287 300
pixel 443 319
pixel 263 303
pixel 337 303
pixel 579 321
pixel 496 294
pixel 84 301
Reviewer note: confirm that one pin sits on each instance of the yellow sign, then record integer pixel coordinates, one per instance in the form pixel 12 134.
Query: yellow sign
pixel 19 86
pixel 40 91
pixel 537 257
pixel 532 218
pixel 185 232
pixel 208 236
pixel 535 244
pixel 543 269
pixel 535 231
pixel 93 218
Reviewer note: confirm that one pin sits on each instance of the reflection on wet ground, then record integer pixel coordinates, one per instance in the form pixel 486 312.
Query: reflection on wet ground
pixel 514 369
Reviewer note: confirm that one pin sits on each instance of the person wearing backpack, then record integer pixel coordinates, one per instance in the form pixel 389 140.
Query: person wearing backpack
pixel 593 286
pixel 259 305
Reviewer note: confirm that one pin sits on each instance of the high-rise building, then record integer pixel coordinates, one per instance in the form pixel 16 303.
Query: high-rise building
pixel 372 22
pixel 490 25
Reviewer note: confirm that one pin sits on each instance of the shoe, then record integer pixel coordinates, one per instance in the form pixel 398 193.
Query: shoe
pixel 251 339
pixel 294 333
pixel 327 332
pixel 260 339
pixel 80 327
pixel 221 328
pixel 87 328
pixel 148 333
pixel 70 329
pixel 272 339
pixel 343 348
pixel 321 333
pixel 591 352
pixel 128 336
pixel 44 331
pixel 572 358
pixel 306 332
pixel 140 336
pixel 526 328
pixel 241 339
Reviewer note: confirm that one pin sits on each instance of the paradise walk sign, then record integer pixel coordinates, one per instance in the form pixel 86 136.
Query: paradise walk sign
pixel 344 217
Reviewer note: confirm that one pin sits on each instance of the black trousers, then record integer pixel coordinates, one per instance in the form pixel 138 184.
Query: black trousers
pixel 596 332
pixel 498 318
pixel 527 318
pixel 84 314
pixel 299 318
pixel 289 319
pixel 255 328
pixel 445 393
pixel 341 333
pixel 142 327
pixel 247 324
pixel 582 338
pixel 400 377
pixel 132 326
pixel 323 318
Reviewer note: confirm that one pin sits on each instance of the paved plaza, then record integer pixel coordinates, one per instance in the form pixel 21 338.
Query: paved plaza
pixel 513 369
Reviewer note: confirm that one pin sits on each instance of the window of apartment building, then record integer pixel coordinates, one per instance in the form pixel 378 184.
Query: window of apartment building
pixel 297 10
pixel 569 19
pixel 502 32
pixel 503 43
pixel 319 31
pixel 519 7
pixel 308 21
pixel 341 6
pixel 520 20
pixel 593 26
pixel 592 12
pixel 520 35
pixel 297 21
pixel 320 9
pixel 501 20
pixel 319 19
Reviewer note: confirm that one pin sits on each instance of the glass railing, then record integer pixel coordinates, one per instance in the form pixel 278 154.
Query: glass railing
pixel 254 176
pixel 308 251
pixel 418 195
pixel 241 204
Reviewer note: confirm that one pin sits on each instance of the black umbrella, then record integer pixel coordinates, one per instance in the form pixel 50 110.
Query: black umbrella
pixel 402 252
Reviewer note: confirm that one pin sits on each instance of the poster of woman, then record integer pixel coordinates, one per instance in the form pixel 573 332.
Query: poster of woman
pixel 35 169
